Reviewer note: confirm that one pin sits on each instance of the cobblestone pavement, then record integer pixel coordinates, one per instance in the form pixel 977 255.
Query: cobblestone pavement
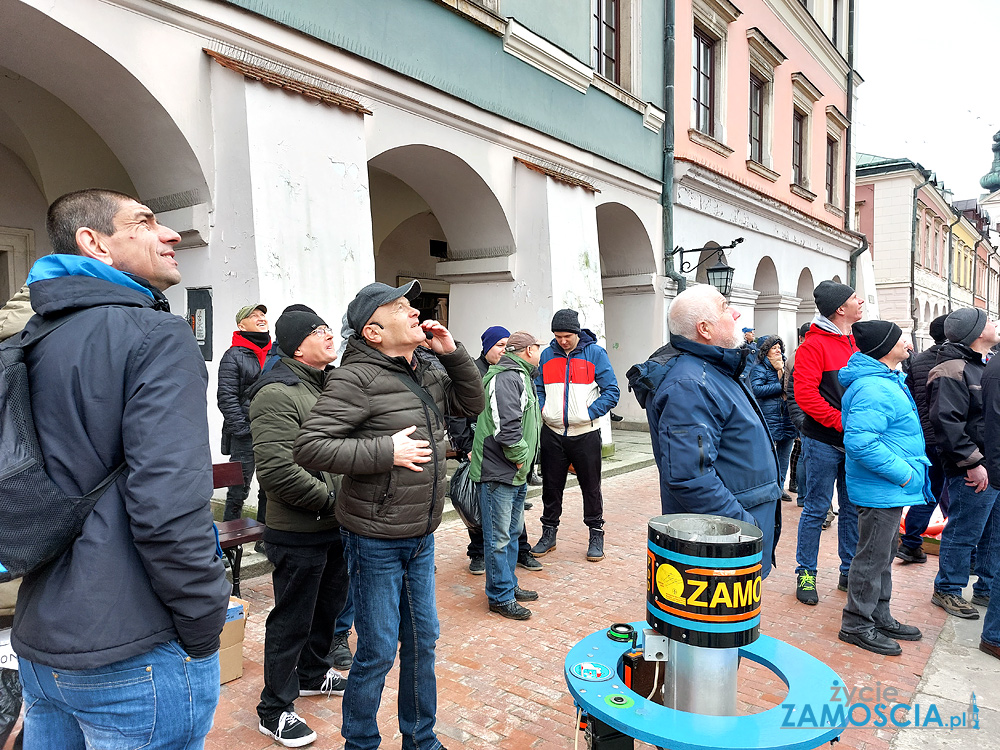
pixel 500 683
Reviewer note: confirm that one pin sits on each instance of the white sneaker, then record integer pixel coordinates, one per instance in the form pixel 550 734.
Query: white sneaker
pixel 334 683
pixel 288 730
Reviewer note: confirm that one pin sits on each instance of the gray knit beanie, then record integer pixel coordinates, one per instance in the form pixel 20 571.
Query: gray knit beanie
pixel 830 295
pixel 566 321
pixel 964 326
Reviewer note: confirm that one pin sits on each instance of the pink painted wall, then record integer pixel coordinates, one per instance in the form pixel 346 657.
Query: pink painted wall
pixel 756 13
pixel 865 195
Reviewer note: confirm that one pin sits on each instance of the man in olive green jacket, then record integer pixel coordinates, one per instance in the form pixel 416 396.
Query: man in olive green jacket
pixel 302 536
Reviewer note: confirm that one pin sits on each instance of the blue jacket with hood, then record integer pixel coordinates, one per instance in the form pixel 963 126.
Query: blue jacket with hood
pixel 575 389
pixel 710 440
pixel 122 381
pixel 886 459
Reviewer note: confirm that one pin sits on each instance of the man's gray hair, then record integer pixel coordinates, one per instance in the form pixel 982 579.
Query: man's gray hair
pixel 696 304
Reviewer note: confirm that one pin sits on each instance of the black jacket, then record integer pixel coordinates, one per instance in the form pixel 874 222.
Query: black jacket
pixel 123 380
pixel 239 368
pixel 916 381
pixel 991 413
pixel 955 405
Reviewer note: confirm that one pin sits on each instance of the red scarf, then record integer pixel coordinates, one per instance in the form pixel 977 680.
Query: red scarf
pixel 239 340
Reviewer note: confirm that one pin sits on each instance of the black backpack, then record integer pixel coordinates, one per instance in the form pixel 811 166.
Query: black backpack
pixel 38 521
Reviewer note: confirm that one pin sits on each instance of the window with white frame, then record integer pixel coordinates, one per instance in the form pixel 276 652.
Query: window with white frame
pixel 764 59
pixel 708 72
pixel 804 97
pixel 836 126
pixel 606 38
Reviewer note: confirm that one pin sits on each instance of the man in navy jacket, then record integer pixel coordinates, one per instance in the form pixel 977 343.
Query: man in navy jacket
pixel 710 440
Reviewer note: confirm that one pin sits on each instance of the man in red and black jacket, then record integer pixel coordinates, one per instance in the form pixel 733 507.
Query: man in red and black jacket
pixel 827 347
pixel 239 369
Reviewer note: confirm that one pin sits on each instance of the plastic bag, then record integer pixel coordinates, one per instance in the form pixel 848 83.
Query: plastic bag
pixel 10 702
pixel 464 496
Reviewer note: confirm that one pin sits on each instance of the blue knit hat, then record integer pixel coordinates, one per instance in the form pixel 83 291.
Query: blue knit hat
pixel 492 335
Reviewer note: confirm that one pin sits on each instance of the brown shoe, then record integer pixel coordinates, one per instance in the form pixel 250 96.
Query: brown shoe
pixel 989 648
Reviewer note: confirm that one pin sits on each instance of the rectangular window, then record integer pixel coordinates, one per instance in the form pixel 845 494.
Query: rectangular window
pixel 831 171
pixel 935 249
pixel 703 84
pixel 835 37
pixel 756 119
pixel 606 20
pixel 798 148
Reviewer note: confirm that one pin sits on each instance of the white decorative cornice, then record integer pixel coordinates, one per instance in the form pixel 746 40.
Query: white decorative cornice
pixel 653 118
pixel 641 283
pixel 476 270
pixel 715 15
pixel 837 118
pixel 703 139
pixel 540 53
pixel 763 51
pixel 804 90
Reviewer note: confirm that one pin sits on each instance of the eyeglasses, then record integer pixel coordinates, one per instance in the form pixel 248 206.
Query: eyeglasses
pixel 321 331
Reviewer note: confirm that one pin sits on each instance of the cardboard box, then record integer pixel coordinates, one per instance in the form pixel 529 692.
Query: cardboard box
pixel 231 646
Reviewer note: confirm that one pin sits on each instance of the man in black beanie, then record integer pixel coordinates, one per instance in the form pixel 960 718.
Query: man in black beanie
pixel 885 472
pixel 955 405
pixel 918 516
pixel 302 537
pixel 827 347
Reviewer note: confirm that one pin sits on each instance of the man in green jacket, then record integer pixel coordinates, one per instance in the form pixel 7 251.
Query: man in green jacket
pixel 507 434
pixel 302 536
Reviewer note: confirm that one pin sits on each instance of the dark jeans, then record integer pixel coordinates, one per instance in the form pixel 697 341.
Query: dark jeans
pixel 557 453
pixel 869 583
pixel 793 465
pixel 476 542
pixel 824 469
pixel 784 450
pixel 310 586
pixel 973 524
pixel 241 450
pixel 919 516
pixel 345 620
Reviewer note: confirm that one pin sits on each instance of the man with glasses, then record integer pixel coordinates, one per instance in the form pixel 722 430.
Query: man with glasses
pixel 380 422
pixel 302 535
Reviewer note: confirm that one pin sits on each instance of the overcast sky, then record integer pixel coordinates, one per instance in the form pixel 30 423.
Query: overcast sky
pixel 931 91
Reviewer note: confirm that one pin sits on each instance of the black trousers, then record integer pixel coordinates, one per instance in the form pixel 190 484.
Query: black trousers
pixel 557 453
pixel 310 588
pixel 241 448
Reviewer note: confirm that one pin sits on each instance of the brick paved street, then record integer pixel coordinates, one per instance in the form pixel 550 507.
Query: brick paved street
pixel 500 683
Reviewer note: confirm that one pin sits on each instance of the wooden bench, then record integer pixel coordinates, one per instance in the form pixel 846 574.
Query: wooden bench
pixel 234 534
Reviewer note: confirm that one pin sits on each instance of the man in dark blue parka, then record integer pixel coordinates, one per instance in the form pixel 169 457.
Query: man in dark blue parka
pixel 710 440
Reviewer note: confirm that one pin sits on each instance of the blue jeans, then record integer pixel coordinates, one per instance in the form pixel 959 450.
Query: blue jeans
pixel 345 620
pixel 160 700
pixel 784 450
pixel 991 623
pixel 919 516
pixel 392 583
pixel 973 520
pixel 824 468
pixel 802 473
pixel 502 506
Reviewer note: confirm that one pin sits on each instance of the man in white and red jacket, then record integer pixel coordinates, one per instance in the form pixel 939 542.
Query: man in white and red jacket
pixel 576 387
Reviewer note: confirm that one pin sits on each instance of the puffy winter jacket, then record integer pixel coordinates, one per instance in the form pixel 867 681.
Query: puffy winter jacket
pixel 349 432
pixel 122 381
pixel 710 441
pixel 239 367
pixel 955 405
pixel 817 390
pixel 575 389
pixel 508 429
pixel 280 401
pixel 766 387
pixel 916 380
pixel 886 459
pixel 991 419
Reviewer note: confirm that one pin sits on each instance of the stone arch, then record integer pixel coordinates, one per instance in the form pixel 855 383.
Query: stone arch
pixel 804 291
pixel 765 282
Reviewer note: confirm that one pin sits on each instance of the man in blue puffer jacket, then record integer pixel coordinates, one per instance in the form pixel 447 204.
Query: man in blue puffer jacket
pixel 710 440
pixel 886 468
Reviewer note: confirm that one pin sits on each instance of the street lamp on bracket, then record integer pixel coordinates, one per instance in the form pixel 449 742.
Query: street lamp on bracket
pixel 719 274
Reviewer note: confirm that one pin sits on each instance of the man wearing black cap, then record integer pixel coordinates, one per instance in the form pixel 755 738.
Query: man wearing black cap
pixel 380 422
pixel 918 516
pixel 576 387
pixel 955 404
pixel 886 471
pixel 239 367
pixel 827 347
pixel 302 535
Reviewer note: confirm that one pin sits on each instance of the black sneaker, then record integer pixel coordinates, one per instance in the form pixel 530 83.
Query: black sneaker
pixel 529 506
pixel 981 600
pixel 875 642
pixel 288 730
pixel 526 561
pixel 786 497
pixel 511 610
pixel 842 583
pixel 805 587
pixel 900 632
pixel 911 554
pixel 477 565
pixel 332 683
pixel 523 595
pixel 955 605
pixel 340 654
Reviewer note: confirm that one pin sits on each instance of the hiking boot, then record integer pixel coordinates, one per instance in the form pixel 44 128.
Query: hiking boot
pixel 786 497
pixel 529 506
pixel 842 583
pixel 340 654
pixel 874 641
pixel 955 605
pixel 595 550
pixel 288 730
pixel 911 554
pixel 523 595
pixel 547 543
pixel 828 521
pixel 981 599
pixel 805 587
pixel 477 565
pixel 793 487
pixel 332 683
pixel 526 561
pixel 511 610
pixel 900 632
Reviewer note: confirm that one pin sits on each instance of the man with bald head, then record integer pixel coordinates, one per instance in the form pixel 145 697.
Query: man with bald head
pixel 710 441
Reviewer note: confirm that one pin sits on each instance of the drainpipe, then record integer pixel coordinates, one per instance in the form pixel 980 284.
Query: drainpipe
pixel 913 262
pixel 855 255
pixel 667 186
pixel 951 260
pixel 848 157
